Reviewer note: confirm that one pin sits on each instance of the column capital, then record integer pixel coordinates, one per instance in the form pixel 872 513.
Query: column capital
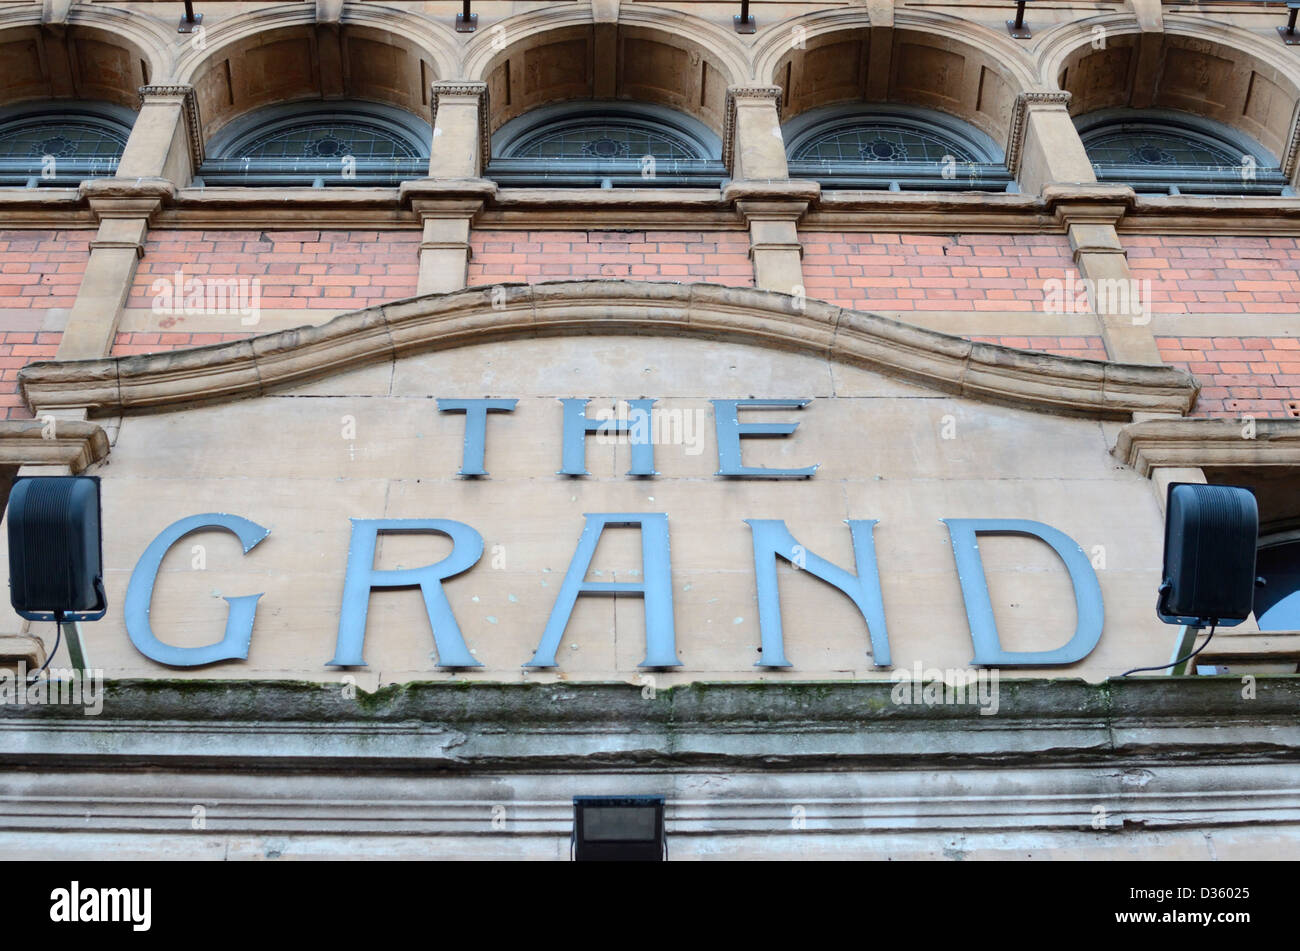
pixel 734 93
pixel 190 109
pixel 465 89
pixel 1019 121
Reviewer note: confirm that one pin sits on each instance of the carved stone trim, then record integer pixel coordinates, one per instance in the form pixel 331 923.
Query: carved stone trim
pixel 1293 146
pixel 729 114
pixel 1020 122
pixel 56 442
pixel 190 107
pixel 1195 443
pixel 463 88
pixel 1035 381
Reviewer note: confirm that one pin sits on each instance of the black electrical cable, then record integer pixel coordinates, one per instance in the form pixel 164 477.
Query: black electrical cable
pixel 58 637
pixel 1138 670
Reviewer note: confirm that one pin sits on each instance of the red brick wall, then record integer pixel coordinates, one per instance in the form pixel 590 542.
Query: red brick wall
pixel 902 272
pixel 323 270
pixel 718 257
pixel 1217 275
pixel 42 269
pixel 1239 376
pixel 18 349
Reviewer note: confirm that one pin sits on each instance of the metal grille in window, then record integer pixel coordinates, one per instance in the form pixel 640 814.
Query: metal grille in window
pixel 61 138
pixel 880 142
pixel 1158 149
pixel 605 140
pixel 328 140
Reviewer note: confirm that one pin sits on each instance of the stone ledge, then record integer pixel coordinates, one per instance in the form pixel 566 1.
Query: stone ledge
pixel 602 725
pixel 72 443
pixel 1195 443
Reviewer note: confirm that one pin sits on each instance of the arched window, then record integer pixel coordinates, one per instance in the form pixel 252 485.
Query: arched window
pixel 1163 152
pixel 320 144
pixel 54 143
pixel 893 147
pixel 606 144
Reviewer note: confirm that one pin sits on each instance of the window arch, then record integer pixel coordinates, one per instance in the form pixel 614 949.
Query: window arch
pixel 1165 152
pixel 894 147
pixel 60 144
pixel 606 144
pixel 321 144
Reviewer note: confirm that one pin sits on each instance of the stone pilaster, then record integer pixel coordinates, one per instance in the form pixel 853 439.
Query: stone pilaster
pixel 447 201
pixel 1119 301
pixel 1043 147
pixel 446 210
pixel 461 142
pixel 752 146
pixel 123 209
pixel 167 138
pixel 772 210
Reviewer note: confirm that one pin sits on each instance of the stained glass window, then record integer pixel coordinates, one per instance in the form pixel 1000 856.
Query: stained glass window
pixel 62 137
pixel 598 139
pixel 1159 147
pixel 327 139
pixel 880 142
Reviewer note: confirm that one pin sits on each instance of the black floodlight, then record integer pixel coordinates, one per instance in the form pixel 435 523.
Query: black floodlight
pixel 190 20
pixel 1288 33
pixel 1211 533
pixel 56 553
pixel 619 829
pixel 1017 27
pixel 744 21
pixel 466 22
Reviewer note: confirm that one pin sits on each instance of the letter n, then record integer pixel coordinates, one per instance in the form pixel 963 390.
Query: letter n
pixel 771 540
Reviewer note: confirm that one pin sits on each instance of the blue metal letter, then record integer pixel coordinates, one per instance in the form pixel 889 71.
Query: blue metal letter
pixel 726 421
pixel 475 428
pixel 772 538
pixel 979 610
pixel 577 425
pixel 657 589
pixel 362 576
pixel 139 594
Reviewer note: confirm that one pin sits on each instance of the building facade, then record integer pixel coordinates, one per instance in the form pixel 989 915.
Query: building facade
pixel 535 363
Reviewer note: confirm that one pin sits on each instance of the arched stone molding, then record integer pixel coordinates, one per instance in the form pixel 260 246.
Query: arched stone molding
pixel 374 53
pixel 931 60
pixel 651 55
pixel 1203 67
pixel 1033 381
pixel 99 54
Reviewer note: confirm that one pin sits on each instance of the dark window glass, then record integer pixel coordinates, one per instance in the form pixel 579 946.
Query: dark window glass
pixel 1277 603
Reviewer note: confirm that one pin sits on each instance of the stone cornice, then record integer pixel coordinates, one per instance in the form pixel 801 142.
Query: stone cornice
pixel 682 208
pixel 1194 443
pixel 1028 380
pixel 190 107
pixel 729 114
pixel 51 442
pixel 477 90
pixel 1020 121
